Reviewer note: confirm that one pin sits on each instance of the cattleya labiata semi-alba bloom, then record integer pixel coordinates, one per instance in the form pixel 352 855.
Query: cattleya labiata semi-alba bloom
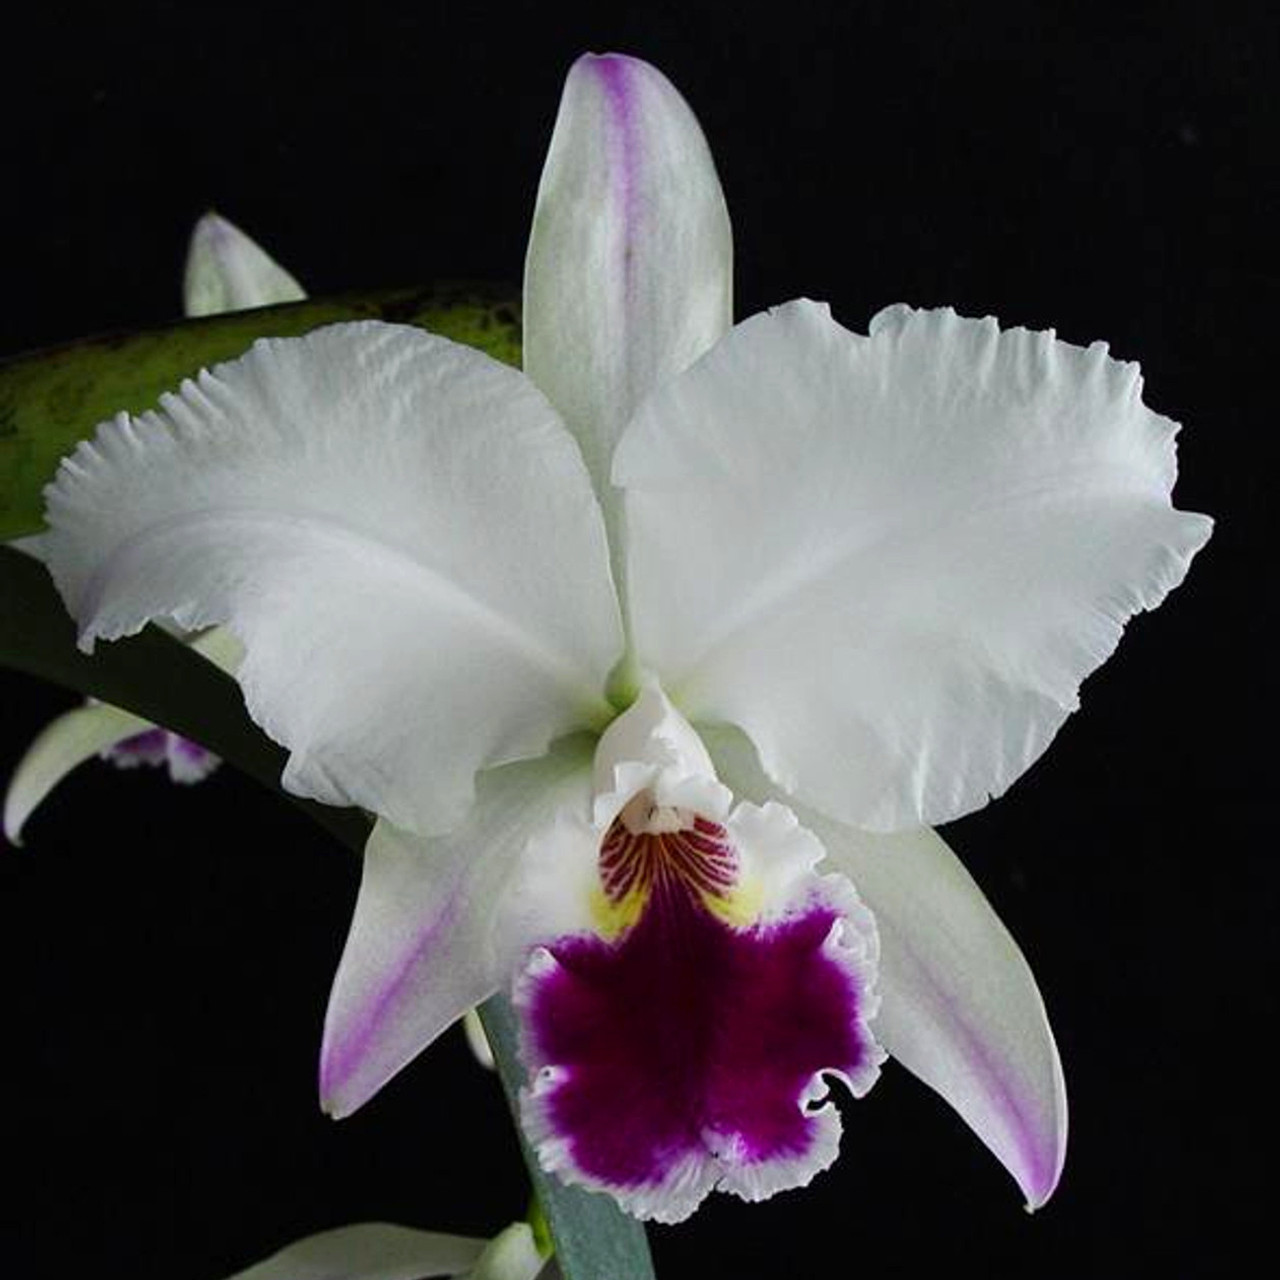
pixel 225 271
pixel 656 662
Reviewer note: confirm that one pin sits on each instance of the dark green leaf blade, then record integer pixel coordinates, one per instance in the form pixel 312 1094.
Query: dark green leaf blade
pixel 52 399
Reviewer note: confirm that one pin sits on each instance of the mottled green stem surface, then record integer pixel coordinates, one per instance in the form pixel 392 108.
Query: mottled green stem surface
pixel 52 399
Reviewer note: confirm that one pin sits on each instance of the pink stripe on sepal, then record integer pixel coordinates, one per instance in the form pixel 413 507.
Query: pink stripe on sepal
pixel 628 278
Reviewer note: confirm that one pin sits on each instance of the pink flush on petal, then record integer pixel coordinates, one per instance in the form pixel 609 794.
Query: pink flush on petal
pixel 687 1053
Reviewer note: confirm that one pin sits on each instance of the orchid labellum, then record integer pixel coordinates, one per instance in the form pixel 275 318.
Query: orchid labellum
pixel 657 661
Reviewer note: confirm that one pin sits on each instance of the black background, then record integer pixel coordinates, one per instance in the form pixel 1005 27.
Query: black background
pixel 1108 171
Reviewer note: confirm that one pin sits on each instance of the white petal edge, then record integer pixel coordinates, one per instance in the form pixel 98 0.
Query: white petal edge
pixel 369 1251
pixel 398 529
pixel 629 274
pixel 428 940
pixel 892 560
pixel 959 1005
pixel 226 270
pixel 65 742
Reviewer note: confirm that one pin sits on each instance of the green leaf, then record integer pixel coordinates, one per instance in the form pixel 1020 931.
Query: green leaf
pixel 592 1236
pixel 160 679
pixel 50 400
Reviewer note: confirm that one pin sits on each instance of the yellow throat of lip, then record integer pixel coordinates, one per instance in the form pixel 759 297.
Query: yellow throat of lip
pixel 650 846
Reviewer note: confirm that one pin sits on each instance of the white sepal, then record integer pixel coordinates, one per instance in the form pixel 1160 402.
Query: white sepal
pixel 628 277
pixel 429 939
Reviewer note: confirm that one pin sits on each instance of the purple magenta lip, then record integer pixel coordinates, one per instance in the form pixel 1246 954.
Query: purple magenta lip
pixel 689 1039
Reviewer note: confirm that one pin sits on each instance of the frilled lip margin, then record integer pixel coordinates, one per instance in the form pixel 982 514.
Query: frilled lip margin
pixel 688 1052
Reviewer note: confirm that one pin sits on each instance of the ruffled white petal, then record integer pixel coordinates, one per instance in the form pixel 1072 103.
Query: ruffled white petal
pixel 428 940
pixel 228 271
pixel 398 529
pixel 628 277
pixel 64 743
pixel 892 560
pixel 959 1005
pixel 369 1251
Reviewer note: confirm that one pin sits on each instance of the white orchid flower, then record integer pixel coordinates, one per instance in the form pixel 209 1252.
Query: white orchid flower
pixel 225 271
pixel 385 1251
pixel 656 660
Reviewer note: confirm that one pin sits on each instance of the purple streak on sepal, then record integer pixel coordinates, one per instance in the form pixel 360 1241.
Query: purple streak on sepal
pixel 615 72
pixel 1033 1153
pixel 350 1047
